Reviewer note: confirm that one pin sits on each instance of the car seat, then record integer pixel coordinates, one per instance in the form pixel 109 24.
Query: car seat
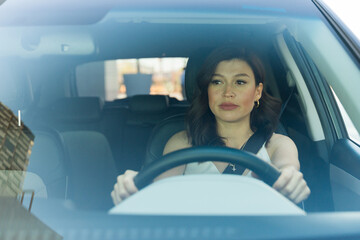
pixel 74 158
pixel 168 127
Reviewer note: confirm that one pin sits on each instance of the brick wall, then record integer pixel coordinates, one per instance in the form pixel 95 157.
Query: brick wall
pixel 15 149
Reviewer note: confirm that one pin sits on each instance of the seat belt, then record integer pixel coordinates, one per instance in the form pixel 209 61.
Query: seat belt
pixel 253 145
pixel 255 142
pixel 287 101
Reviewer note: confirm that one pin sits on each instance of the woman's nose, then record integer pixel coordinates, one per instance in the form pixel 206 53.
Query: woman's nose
pixel 228 91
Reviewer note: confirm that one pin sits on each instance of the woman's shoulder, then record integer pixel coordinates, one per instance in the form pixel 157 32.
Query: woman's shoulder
pixel 279 141
pixel 178 141
pixel 179 137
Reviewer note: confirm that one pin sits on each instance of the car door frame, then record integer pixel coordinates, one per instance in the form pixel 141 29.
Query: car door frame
pixel 344 154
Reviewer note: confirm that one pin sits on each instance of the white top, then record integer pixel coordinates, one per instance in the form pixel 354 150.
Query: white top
pixel 210 168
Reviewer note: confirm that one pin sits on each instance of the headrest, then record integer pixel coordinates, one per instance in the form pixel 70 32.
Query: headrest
pixel 149 103
pixel 195 62
pixel 78 109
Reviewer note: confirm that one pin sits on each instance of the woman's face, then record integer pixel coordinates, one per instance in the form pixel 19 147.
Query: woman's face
pixel 232 91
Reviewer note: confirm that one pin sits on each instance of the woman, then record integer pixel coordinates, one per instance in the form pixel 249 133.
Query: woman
pixel 231 105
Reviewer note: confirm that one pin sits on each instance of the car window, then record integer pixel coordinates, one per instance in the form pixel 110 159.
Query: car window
pixel 350 128
pixel 337 67
pixel 128 77
pixel 346 11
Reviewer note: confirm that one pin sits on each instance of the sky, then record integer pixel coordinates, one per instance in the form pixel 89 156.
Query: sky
pixel 348 12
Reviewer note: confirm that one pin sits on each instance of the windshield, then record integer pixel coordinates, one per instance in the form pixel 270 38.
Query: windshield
pixel 84 96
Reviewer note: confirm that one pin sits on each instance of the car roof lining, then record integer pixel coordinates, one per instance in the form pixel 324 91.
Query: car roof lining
pixel 60 12
pixel 93 42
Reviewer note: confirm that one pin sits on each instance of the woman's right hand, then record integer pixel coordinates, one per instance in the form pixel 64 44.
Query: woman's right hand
pixel 124 186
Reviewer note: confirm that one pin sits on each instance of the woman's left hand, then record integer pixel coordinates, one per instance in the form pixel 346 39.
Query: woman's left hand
pixel 292 184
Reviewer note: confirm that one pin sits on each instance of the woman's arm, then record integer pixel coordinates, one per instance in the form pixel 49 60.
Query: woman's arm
pixel 176 142
pixel 125 186
pixel 283 152
pixel 284 155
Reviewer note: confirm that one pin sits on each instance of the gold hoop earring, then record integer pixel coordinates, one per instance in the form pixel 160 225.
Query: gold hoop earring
pixel 256 103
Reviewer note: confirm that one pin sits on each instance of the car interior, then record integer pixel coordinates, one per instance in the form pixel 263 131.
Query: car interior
pixel 82 143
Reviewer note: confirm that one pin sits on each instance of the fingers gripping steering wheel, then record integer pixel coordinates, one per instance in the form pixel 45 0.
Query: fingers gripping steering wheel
pixel 264 170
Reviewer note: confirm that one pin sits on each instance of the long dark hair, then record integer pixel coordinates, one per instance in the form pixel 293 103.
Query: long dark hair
pixel 200 121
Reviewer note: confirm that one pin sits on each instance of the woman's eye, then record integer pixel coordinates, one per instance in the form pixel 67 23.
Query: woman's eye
pixel 240 82
pixel 215 82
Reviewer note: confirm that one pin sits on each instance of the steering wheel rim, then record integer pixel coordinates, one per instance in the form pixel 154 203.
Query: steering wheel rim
pixel 264 170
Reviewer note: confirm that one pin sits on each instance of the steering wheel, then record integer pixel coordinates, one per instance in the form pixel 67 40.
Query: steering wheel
pixel 203 154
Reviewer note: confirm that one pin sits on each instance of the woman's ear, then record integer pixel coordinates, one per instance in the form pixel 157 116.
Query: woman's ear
pixel 258 91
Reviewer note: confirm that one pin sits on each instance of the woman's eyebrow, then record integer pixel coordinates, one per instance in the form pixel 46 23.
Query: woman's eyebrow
pixel 217 75
pixel 236 75
pixel 242 75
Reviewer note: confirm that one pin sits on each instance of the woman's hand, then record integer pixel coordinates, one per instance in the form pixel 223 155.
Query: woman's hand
pixel 124 186
pixel 292 184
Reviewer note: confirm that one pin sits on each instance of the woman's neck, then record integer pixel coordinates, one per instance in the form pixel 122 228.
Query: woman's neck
pixel 234 134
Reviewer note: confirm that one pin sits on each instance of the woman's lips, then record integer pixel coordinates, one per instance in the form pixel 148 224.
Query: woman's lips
pixel 228 106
